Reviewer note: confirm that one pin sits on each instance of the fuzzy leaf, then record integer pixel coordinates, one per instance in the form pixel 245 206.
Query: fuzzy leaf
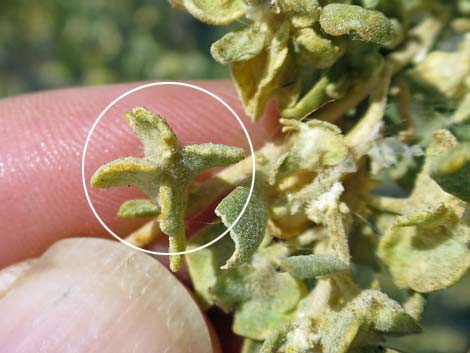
pixel 369 25
pixel 258 78
pixel 318 51
pixel 210 155
pixel 452 171
pixel 248 233
pixel 123 172
pixel 262 298
pixel 214 12
pixel 426 248
pixel 270 308
pixel 240 45
pixel 427 258
pixel 138 208
pixel 204 265
pixel 339 330
pixel 303 13
pixel 309 266
pixel 153 132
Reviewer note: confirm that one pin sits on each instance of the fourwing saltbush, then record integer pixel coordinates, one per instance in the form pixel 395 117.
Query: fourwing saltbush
pixel 369 92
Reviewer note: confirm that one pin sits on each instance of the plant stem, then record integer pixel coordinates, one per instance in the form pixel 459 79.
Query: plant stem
pixel 361 137
pixel 387 204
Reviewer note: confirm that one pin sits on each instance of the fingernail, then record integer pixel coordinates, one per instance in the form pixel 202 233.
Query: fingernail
pixel 95 295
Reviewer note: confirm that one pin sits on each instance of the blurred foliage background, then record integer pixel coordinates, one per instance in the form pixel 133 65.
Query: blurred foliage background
pixel 55 43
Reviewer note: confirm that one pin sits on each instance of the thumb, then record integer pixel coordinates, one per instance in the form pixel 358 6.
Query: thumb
pixel 96 295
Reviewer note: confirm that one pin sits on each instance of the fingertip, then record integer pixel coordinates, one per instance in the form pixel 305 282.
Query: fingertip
pixel 42 141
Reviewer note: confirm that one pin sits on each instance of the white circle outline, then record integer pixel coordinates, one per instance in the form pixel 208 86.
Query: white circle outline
pixel 171 83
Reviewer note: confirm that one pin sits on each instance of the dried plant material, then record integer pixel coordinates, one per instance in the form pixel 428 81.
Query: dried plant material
pixel 240 45
pixel 258 78
pixel 165 172
pixel 336 329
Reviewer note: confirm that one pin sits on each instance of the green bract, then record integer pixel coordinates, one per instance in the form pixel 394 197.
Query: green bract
pixel 164 174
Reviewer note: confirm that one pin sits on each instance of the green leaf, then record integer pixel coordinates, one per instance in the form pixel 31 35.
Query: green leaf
pixel 310 102
pixel 205 156
pixel 452 171
pixel 153 132
pixel 369 25
pixel 303 13
pixel 204 265
pixel 309 266
pixel 249 232
pixel 262 298
pixel 214 12
pixel 271 307
pixel 426 249
pixel 240 45
pixel 138 208
pixel 318 51
pixel 123 172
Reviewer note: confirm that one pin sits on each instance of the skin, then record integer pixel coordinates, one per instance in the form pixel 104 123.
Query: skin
pixel 41 140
